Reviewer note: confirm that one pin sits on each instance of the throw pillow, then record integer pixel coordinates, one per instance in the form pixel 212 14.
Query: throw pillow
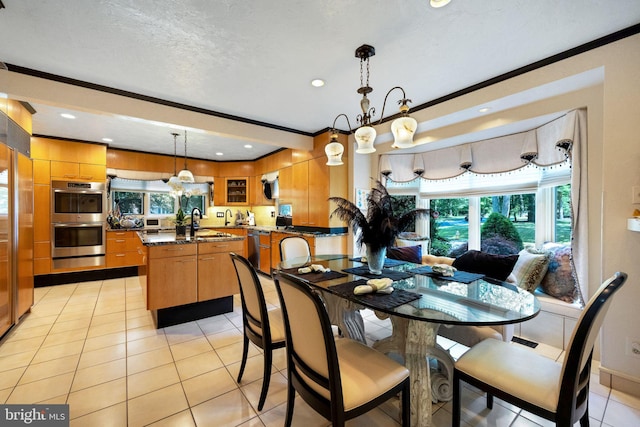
pixel 530 269
pixel 496 266
pixel 559 281
pixel 406 253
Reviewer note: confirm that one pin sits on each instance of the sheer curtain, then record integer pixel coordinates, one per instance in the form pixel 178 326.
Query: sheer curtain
pixel 537 157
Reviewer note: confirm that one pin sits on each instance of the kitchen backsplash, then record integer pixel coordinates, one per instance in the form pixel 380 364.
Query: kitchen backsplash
pixel 262 215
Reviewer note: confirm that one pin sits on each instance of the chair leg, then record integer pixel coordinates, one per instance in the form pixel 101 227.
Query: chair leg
pixel 245 351
pixel 406 404
pixel 455 417
pixel 584 421
pixel 266 377
pixel 489 400
pixel 291 398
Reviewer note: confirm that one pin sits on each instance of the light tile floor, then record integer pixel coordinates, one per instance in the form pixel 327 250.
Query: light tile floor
pixel 93 345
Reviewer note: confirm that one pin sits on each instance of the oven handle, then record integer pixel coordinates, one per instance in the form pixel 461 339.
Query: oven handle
pixel 77 224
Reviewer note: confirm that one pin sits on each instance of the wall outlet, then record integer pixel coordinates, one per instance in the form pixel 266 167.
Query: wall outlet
pixel 219 214
pixel 635 198
pixel 273 214
pixel 633 347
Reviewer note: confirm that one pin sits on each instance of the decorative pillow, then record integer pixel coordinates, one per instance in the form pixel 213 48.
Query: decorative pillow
pixel 559 281
pixel 530 269
pixel 495 266
pixel 406 253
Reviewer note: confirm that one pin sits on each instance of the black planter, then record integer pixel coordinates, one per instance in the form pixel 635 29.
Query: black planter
pixel 181 230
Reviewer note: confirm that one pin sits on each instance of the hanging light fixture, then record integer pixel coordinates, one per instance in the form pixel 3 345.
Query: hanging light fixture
pixel 403 128
pixel 334 149
pixel 185 174
pixel 174 183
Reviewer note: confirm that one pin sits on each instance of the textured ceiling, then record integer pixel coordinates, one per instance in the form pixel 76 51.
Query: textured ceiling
pixel 255 59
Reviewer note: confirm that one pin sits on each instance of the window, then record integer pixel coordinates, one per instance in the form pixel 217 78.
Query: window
pixel 487 212
pixel 128 202
pixel 154 198
pixel 161 203
pixel 194 201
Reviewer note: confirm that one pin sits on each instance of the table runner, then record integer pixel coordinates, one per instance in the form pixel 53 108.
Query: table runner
pixel 315 277
pixel 381 301
pixel 458 276
pixel 391 274
pixel 388 262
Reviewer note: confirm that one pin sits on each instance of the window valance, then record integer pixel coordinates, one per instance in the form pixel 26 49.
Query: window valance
pixel 545 146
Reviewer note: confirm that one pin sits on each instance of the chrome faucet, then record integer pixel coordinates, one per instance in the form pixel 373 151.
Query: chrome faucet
pixel 227 222
pixel 192 230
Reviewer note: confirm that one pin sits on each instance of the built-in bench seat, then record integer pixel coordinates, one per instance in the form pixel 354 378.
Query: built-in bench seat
pixel 553 325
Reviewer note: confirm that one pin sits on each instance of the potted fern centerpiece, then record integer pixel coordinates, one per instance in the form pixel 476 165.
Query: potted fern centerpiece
pixel 379 228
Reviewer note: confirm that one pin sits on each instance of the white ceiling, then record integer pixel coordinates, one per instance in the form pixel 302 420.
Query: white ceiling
pixel 255 59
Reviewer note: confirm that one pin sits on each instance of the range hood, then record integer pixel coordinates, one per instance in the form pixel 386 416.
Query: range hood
pixel 270 187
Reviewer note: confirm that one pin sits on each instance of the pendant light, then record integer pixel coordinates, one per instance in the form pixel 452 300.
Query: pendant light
pixel 174 183
pixel 185 174
pixel 403 128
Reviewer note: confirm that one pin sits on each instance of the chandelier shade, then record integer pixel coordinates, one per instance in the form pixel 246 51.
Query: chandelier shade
pixel 365 137
pixel 185 174
pixel 334 151
pixel 403 129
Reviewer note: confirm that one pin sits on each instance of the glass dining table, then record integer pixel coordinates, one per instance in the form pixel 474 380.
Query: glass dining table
pixel 421 302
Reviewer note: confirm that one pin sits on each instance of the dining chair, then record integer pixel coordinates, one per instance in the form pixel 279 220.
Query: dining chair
pixel 261 325
pixel 339 378
pixel 294 247
pixel 556 391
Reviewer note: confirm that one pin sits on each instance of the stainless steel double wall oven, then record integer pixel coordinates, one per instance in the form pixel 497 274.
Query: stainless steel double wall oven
pixel 78 224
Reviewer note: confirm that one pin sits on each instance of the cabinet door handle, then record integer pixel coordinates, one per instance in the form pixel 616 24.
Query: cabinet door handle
pixel 120 240
pixel 173 249
pixel 207 259
pixel 121 255
pixel 187 260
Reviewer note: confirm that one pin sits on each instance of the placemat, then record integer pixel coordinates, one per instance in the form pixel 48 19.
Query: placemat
pixel 391 274
pixel 381 301
pixel 388 262
pixel 458 276
pixel 315 277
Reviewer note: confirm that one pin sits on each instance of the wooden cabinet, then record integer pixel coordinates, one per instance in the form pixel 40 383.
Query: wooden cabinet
pixel 77 171
pixel 216 274
pixel 313 182
pixel 285 181
pixel 300 193
pixel 236 231
pixel 257 193
pixel 265 252
pixel 172 277
pixel 42 228
pixel 124 249
pixel 237 191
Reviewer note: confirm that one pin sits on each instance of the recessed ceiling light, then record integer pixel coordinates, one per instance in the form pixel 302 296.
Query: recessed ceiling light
pixel 219 154
pixel 248 146
pixel 439 3
pixel 107 139
pixel 317 82
pixel 484 109
pixel 67 116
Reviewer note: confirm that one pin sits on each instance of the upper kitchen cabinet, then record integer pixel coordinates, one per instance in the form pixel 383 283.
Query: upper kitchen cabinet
pixel 236 191
pixel 71 160
pixel 257 193
pixel 308 184
pixel 313 183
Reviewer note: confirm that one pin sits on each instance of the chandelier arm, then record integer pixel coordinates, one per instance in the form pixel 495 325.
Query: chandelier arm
pixel 333 128
pixel 404 99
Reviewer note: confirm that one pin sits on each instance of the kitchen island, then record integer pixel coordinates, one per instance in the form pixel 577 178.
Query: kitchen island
pixel 189 278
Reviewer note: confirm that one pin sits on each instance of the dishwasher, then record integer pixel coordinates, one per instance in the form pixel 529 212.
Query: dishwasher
pixel 259 252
